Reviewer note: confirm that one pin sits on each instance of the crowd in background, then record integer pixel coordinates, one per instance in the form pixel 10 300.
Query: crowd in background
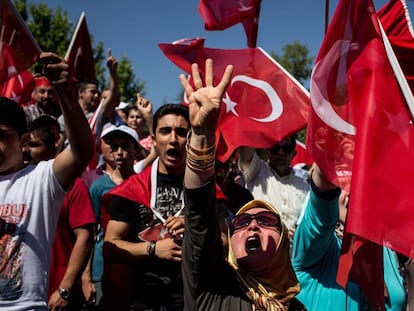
pixel 107 205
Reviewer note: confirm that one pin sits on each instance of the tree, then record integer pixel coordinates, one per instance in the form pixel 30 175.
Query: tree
pixel 296 60
pixel 53 32
pixel 128 83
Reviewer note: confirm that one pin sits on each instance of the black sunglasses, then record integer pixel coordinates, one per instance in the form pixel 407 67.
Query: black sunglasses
pixel 124 146
pixel 263 219
pixel 284 148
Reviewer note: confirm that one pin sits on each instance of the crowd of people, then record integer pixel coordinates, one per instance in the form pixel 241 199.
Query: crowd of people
pixel 138 214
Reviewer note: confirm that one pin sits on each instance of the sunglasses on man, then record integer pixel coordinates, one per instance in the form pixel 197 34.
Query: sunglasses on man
pixel 263 219
pixel 124 146
pixel 284 148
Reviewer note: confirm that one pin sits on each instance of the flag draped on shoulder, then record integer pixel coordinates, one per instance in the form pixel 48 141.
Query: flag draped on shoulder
pixel 18 51
pixel 220 15
pixel 361 127
pixel 263 102
pixel 80 54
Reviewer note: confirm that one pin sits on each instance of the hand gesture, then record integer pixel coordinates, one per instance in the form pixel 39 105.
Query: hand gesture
pixel 144 106
pixel 175 225
pixel 55 68
pixel 112 64
pixel 205 99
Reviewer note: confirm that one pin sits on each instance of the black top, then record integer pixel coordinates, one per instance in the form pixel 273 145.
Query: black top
pixel 209 281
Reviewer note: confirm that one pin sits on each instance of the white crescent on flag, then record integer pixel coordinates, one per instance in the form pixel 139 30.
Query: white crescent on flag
pixel 319 93
pixel 275 102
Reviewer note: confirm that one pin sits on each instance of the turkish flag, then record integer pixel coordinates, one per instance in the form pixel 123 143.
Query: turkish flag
pixel 263 102
pixel 220 15
pixel 19 87
pixel 18 51
pixel 80 54
pixel 395 20
pixel 360 123
pixel 17 36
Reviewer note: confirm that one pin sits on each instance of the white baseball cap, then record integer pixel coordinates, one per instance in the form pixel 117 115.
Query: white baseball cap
pixel 111 129
pixel 122 105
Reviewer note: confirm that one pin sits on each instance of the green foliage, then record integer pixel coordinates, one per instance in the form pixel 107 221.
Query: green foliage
pixel 100 64
pixel 128 83
pixel 296 60
pixel 53 32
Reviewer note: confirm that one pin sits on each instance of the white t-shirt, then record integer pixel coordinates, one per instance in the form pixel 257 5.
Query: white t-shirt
pixel 30 200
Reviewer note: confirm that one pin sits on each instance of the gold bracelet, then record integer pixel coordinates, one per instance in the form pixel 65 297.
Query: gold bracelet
pixel 200 159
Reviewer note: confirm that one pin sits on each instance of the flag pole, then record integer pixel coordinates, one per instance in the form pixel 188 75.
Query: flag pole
pixel 326 15
pixel 72 41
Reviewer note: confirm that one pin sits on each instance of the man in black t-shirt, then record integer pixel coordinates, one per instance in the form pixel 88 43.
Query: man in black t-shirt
pixel 146 225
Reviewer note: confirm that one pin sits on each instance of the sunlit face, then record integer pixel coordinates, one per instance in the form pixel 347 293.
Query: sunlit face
pixel 123 151
pixel 135 120
pixel 45 97
pixel 256 241
pixel 89 97
pixel 169 142
pixel 280 156
pixel 11 155
pixel 38 150
pixel 107 154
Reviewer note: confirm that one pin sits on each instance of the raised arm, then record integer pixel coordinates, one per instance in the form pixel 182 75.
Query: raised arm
pixel 145 108
pixel 113 99
pixel 204 110
pixel 70 163
pixel 320 180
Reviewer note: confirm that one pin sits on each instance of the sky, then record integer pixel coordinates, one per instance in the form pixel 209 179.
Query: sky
pixel 134 28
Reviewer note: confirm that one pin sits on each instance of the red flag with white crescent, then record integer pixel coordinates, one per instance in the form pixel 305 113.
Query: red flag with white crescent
pixel 80 53
pixel 263 102
pixel 18 51
pixel 15 35
pixel 360 124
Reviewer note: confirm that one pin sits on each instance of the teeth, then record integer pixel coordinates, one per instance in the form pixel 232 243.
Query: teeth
pixel 253 243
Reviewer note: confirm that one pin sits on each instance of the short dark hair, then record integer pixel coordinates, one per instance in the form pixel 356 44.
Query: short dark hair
pixel 82 85
pixel 48 128
pixel 12 114
pixel 176 109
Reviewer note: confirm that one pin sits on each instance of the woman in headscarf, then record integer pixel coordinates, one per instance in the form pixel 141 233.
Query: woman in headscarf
pixel 258 274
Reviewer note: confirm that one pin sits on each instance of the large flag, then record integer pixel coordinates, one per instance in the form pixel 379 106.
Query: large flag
pixel 18 51
pixel 395 19
pixel 80 54
pixel 220 15
pixel 360 126
pixel 263 102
